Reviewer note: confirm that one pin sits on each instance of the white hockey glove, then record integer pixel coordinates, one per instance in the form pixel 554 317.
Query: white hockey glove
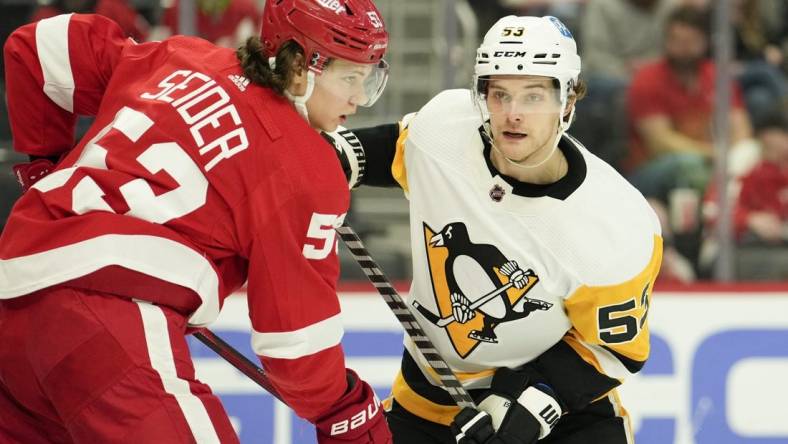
pixel 460 308
pixel 521 413
pixel 350 153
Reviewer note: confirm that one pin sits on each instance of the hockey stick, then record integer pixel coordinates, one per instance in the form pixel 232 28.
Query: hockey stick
pixel 405 317
pixel 237 360
pixel 443 322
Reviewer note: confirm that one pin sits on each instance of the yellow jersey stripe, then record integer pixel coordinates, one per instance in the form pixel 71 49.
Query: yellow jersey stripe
pixel 421 406
pixel 398 170
pixel 616 315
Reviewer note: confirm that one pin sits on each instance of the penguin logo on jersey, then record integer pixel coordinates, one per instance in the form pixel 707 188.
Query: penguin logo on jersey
pixel 476 288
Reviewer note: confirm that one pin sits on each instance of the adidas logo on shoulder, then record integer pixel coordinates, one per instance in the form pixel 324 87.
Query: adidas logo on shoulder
pixel 240 81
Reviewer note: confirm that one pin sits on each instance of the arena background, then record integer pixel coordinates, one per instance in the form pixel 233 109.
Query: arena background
pixel 716 375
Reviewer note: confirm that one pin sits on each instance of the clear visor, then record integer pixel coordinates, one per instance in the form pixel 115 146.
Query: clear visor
pixel 509 95
pixel 354 82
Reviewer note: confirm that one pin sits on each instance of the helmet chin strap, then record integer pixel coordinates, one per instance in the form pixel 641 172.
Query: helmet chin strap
pixel 516 164
pixel 299 101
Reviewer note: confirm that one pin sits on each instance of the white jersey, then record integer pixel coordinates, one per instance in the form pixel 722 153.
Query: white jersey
pixel 589 245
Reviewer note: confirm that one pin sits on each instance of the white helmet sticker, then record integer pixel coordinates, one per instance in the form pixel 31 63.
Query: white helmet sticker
pixel 561 27
pixel 333 5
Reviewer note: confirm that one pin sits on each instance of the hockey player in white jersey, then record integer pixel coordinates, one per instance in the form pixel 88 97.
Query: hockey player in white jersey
pixel 533 260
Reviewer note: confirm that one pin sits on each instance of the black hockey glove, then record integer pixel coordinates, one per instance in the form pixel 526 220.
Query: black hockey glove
pixel 472 426
pixel 350 153
pixel 521 413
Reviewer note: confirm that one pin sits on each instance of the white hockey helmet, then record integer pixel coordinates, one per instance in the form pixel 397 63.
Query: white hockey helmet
pixel 540 46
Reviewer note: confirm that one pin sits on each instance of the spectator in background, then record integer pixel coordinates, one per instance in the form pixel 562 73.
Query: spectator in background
pixel 760 207
pixel 697 4
pixel 761 32
pixel 131 22
pixel 670 104
pixel 226 23
pixel 761 214
pixel 618 37
pixel 487 13
pixel 568 11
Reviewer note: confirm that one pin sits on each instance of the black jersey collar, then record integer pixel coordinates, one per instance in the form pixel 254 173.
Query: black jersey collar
pixel 563 188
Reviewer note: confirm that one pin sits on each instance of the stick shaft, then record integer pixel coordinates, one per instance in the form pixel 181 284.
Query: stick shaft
pixel 442 322
pixel 405 317
pixel 237 360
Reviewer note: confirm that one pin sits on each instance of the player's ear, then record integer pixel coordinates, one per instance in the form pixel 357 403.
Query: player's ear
pixel 298 82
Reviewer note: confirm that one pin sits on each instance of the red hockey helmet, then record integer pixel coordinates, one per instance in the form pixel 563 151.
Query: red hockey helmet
pixel 346 29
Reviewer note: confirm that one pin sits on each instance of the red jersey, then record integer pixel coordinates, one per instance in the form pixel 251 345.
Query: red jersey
pixel 763 189
pixel 657 91
pixel 190 181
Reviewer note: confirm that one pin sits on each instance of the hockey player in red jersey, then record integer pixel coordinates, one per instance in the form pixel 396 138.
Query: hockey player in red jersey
pixel 204 169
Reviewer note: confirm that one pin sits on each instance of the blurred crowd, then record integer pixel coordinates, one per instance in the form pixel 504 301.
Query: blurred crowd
pixel 224 22
pixel 649 109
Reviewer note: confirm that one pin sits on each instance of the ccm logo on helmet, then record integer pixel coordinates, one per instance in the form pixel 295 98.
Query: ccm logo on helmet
pixel 357 420
pixel 509 54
